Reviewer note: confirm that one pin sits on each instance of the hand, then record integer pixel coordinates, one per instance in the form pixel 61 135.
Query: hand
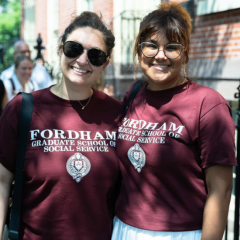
pixel 39 61
pixel 109 90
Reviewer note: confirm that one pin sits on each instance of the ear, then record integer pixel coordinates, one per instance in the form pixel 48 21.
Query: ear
pixel 60 51
pixel 105 65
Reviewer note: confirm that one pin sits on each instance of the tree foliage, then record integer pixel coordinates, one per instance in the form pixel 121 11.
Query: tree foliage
pixel 10 18
pixel 3 2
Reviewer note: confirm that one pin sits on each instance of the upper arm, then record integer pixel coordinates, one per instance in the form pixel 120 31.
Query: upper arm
pixel 219 178
pixel 6 176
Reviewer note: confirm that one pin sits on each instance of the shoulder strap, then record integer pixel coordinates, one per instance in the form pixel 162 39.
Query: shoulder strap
pixel 135 89
pixel 32 85
pixel 13 86
pixel 22 138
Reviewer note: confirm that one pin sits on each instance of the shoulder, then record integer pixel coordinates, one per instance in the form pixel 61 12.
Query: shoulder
pixel 107 103
pixel 206 97
pixel 135 89
pixel 40 95
pixel 7 72
pixel 204 92
pixel 13 107
pixel 103 97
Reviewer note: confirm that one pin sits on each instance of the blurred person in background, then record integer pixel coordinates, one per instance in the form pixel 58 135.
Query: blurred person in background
pixel 21 80
pixel 39 73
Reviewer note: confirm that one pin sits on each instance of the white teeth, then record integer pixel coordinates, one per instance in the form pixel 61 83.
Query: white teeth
pixel 79 70
pixel 161 66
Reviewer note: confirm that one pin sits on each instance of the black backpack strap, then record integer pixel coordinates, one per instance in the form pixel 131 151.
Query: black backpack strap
pixel 22 139
pixel 135 89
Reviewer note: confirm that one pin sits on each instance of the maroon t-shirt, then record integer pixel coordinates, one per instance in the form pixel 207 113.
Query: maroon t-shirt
pixel 71 172
pixel 164 143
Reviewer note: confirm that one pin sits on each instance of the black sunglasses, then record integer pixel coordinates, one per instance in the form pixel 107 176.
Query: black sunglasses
pixel 73 49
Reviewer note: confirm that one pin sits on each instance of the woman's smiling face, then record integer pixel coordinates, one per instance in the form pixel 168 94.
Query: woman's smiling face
pixel 24 70
pixel 79 70
pixel 161 72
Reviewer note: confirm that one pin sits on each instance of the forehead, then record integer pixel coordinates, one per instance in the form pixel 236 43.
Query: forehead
pixel 25 63
pixel 22 47
pixel 165 35
pixel 88 37
pixel 158 39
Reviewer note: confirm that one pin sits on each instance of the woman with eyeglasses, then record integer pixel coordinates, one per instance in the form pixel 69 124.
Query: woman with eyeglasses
pixel 71 172
pixel 175 144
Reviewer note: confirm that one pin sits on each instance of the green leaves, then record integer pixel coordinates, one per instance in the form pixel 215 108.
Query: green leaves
pixel 3 2
pixel 10 19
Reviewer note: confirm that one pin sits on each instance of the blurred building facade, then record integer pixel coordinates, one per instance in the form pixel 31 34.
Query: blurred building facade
pixel 215 41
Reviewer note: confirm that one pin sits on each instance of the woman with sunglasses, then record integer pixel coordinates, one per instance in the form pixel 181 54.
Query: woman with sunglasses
pixel 71 172
pixel 175 144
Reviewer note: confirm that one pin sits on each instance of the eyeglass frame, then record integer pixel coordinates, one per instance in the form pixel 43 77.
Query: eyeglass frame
pixel 163 49
pixel 107 59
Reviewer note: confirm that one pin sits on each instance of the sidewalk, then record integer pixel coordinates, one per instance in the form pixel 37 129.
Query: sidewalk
pixel 231 220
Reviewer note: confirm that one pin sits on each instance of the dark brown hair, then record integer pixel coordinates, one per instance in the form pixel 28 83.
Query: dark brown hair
pixel 90 19
pixel 172 20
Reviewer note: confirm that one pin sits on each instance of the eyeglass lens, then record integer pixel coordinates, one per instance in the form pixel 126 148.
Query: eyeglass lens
pixel 73 49
pixel 171 50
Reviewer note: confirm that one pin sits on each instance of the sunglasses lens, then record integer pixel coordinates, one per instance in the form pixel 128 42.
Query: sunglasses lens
pixel 97 57
pixel 72 49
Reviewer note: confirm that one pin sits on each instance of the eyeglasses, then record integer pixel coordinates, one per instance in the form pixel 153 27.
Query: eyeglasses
pixel 73 49
pixel 171 50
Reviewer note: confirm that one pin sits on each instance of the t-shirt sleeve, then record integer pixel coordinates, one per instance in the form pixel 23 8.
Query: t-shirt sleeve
pixel 216 136
pixel 8 133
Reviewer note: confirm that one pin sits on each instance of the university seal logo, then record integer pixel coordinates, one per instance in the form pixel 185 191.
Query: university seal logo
pixel 78 166
pixel 137 157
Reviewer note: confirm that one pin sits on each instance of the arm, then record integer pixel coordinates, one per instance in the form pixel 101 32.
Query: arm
pixel 219 185
pixel 5 99
pixel 109 90
pixel 6 178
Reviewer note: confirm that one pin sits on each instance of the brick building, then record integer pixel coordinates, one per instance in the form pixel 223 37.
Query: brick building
pixel 215 42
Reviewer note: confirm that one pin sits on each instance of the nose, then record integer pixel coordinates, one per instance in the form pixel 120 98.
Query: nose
pixel 160 54
pixel 83 58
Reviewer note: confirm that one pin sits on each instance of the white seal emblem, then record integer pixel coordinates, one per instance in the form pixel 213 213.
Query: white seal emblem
pixel 78 166
pixel 137 157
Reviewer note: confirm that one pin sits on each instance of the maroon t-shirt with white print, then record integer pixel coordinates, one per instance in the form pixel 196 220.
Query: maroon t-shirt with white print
pixel 164 143
pixel 71 172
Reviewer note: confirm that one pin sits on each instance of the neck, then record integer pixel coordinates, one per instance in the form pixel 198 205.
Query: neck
pixel 161 86
pixel 72 92
pixel 22 82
